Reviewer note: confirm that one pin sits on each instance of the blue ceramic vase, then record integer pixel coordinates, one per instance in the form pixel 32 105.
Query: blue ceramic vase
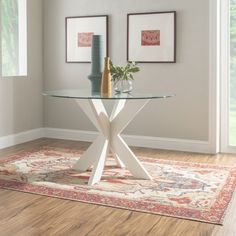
pixel 97 64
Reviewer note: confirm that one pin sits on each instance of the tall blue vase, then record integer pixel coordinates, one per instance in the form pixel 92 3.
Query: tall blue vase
pixel 97 64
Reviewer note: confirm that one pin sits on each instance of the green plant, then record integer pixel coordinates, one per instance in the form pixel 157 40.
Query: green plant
pixel 123 72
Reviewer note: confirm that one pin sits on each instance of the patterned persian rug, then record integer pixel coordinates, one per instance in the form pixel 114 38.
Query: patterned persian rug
pixel 193 191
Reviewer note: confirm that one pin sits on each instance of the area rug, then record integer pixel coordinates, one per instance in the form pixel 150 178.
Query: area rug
pixel 186 190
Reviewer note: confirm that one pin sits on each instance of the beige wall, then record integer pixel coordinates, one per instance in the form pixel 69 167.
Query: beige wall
pixel 20 98
pixel 183 117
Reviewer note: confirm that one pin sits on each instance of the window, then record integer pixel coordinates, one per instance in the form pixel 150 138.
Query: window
pixel 13 38
pixel 228 75
pixel 232 80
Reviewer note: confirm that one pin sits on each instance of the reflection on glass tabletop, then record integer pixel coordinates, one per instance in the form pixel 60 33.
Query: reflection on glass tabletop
pixel 87 94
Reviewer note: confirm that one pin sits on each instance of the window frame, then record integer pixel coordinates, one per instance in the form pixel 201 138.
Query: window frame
pixel 225 77
pixel 23 40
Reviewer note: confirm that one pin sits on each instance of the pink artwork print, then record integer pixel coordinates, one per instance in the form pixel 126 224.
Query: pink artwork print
pixel 85 39
pixel 150 38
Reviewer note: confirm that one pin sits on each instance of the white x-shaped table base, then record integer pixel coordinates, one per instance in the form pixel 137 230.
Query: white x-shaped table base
pixel 109 138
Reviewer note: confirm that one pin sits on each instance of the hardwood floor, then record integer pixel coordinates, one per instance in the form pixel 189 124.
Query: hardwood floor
pixel 31 215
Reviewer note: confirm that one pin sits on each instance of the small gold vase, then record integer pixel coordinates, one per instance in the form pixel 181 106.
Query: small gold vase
pixel 106 79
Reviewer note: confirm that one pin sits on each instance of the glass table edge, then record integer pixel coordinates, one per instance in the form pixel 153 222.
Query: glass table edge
pixel 47 93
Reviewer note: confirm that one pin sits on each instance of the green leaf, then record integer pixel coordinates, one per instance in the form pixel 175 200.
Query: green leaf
pixel 123 72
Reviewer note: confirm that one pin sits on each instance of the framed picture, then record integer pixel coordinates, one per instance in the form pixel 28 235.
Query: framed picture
pixel 151 37
pixel 79 34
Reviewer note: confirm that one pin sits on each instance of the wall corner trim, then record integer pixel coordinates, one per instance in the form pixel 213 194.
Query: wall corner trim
pixel 214 76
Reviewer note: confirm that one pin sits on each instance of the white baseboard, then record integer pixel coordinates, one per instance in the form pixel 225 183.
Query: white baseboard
pixel 168 143
pixel 89 136
pixel 68 134
pixel 134 140
pixel 14 139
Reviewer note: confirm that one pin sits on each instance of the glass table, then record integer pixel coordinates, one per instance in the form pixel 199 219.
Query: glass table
pixel 126 107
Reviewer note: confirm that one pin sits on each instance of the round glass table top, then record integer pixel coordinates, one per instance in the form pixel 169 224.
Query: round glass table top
pixel 87 94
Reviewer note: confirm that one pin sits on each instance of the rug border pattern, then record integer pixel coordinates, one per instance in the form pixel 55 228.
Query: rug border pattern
pixel 215 215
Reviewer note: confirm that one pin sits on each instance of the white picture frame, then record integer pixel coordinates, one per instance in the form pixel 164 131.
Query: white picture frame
pixel 151 37
pixel 79 31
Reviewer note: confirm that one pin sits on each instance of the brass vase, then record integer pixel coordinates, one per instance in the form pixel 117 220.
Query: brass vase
pixel 106 79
